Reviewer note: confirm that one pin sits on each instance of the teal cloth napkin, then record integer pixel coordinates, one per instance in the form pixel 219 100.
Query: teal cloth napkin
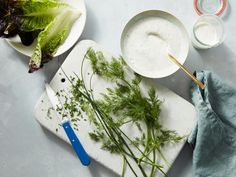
pixel 214 137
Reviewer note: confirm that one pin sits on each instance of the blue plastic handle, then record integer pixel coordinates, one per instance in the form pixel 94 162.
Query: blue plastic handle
pixel 81 153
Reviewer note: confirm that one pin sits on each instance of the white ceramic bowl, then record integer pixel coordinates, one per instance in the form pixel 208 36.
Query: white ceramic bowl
pixel 148 37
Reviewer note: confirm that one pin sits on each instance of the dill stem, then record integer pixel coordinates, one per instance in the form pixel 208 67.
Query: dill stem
pixel 135 145
pixel 146 145
pixel 154 156
pixel 156 165
pixel 123 167
pixel 154 161
pixel 163 157
pixel 130 167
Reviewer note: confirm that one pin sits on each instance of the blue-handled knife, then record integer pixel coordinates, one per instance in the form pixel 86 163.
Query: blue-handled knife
pixel 81 153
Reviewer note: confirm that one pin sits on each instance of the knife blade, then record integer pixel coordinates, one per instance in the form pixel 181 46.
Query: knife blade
pixel 76 144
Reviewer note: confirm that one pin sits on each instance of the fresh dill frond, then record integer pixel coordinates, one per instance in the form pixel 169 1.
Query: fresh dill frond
pixel 110 70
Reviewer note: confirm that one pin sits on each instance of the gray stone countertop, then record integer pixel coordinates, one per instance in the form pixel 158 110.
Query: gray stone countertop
pixel 28 150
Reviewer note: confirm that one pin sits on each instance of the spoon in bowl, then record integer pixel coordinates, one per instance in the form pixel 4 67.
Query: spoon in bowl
pixel 173 59
pixel 198 82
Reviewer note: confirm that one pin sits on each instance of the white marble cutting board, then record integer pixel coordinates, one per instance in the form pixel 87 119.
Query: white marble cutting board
pixel 177 114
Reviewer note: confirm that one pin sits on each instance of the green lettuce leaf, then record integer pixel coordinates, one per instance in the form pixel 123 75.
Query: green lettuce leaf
pixel 52 37
pixel 37 14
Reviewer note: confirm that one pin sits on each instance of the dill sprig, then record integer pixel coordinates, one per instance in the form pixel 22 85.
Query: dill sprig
pixel 123 104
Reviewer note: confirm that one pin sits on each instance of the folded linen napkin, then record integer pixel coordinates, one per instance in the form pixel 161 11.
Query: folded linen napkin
pixel 214 137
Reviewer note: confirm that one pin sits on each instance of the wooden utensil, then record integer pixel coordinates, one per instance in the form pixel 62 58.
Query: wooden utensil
pixel 199 83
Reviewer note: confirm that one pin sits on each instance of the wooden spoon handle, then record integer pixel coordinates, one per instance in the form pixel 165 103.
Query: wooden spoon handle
pixel 199 83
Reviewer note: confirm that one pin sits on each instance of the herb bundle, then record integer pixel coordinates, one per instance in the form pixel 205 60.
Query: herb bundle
pixel 122 105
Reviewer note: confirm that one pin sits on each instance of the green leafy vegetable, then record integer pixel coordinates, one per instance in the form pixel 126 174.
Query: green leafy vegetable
pixel 122 105
pixel 47 20
pixel 37 14
pixel 52 37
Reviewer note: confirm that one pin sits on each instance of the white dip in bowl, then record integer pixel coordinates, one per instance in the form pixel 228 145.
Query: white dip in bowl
pixel 146 40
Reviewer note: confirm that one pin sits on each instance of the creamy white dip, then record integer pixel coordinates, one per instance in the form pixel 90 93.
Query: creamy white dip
pixel 207 34
pixel 146 45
